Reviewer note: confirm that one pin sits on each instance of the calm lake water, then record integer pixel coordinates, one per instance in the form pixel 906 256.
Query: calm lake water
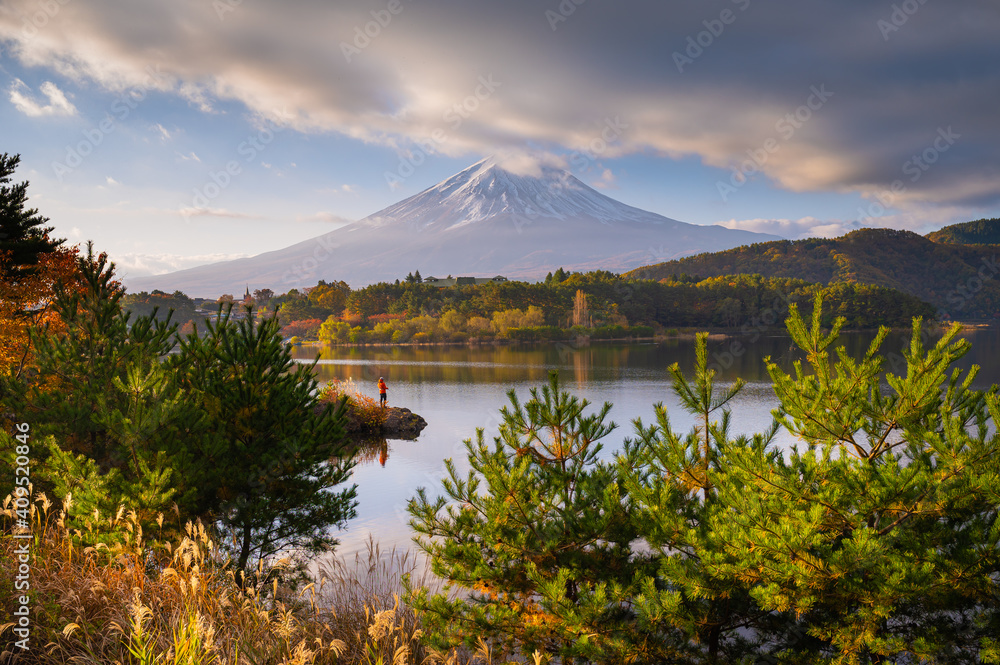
pixel 459 389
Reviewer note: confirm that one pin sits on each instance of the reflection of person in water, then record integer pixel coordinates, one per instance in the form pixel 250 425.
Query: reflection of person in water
pixel 383 452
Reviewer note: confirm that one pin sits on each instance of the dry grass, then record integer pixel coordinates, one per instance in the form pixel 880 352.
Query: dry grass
pixel 363 412
pixel 373 579
pixel 140 602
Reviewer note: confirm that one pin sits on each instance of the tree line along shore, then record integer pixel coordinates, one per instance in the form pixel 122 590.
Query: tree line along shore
pixel 597 304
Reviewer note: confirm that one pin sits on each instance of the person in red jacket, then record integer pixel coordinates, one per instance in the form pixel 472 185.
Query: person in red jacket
pixel 381 392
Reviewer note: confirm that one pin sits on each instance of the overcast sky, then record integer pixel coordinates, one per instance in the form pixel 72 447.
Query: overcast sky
pixel 180 132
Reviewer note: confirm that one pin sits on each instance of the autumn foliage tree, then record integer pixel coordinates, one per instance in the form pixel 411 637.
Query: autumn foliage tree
pixel 27 301
pixel 308 328
pixel 581 311
pixel 31 265
pixel 332 296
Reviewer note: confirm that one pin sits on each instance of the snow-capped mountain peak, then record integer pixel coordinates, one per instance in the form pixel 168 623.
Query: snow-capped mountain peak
pixel 487 190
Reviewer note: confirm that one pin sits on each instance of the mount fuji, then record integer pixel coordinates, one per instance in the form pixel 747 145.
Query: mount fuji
pixel 484 221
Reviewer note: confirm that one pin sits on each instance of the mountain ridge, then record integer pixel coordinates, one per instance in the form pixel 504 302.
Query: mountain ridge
pixel 977 232
pixel 960 280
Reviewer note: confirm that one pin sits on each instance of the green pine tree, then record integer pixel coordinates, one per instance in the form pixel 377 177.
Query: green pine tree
pixel 692 615
pixel 874 540
pixel 22 230
pixel 228 427
pixel 270 456
pixel 77 369
pixel 879 531
pixel 537 537
pixel 97 392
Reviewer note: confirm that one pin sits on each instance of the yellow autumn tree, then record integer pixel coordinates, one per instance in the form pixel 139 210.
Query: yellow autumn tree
pixel 581 311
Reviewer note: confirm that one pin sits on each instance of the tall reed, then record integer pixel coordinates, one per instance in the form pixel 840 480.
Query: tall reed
pixel 140 601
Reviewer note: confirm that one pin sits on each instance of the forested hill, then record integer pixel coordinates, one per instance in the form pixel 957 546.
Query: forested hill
pixel 979 232
pixel 960 280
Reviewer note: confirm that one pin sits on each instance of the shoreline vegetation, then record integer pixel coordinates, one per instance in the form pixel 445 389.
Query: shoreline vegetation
pixel 583 340
pixel 149 598
pixel 564 307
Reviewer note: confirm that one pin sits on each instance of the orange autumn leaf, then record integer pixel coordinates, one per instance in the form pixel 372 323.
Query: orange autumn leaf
pixel 27 302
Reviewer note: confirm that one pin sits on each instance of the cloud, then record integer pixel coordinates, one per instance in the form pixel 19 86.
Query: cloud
pixel 162 132
pixel 143 265
pixel 25 102
pixel 328 217
pixel 794 229
pixel 915 219
pixel 843 110
pixel 337 190
pixel 526 161
pixel 216 212
pixel 606 180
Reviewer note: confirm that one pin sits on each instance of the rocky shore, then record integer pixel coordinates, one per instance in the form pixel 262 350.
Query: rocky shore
pixel 400 423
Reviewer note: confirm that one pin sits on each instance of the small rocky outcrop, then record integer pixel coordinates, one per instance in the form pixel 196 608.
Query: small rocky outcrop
pixel 402 423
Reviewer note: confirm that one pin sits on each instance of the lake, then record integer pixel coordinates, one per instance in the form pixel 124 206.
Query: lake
pixel 458 389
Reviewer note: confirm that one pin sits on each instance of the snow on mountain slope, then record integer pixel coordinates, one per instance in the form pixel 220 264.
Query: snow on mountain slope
pixel 486 190
pixel 483 221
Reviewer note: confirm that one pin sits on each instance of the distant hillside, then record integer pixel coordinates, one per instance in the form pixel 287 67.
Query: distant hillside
pixel 979 232
pixel 960 280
